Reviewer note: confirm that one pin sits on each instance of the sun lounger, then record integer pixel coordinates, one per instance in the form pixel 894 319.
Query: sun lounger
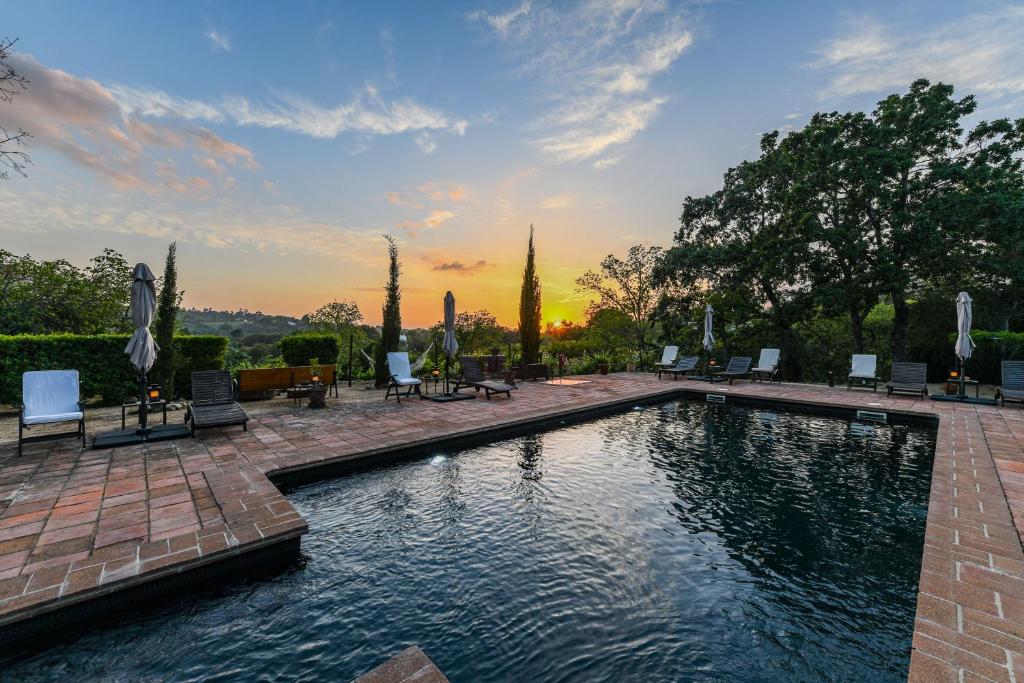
pixel 908 378
pixel 401 376
pixel 738 367
pixel 473 376
pixel 1013 381
pixel 767 366
pixel 668 358
pixel 863 369
pixel 213 403
pixel 50 397
pixel 683 365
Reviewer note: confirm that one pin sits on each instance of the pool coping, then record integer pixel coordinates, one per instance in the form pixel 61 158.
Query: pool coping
pixel 970 608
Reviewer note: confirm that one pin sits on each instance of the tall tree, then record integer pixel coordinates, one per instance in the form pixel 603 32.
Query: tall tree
pixel 11 83
pixel 166 319
pixel 391 329
pixel 627 285
pixel 338 317
pixel 529 307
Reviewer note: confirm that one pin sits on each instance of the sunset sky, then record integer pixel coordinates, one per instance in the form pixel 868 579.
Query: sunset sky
pixel 278 142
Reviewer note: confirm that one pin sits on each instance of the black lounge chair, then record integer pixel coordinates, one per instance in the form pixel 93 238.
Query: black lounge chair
pixel 473 376
pixel 213 403
pixel 683 365
pixel 908 378
pixel 1013 381
pixel 738 367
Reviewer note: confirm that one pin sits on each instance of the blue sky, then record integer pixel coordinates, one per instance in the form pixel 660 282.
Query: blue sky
pixel 277 142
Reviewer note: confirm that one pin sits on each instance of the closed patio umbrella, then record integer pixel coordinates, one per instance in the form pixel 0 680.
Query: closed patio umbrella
pixel 964 344
pixel 709 335
pixel 450 344
pixel 141 348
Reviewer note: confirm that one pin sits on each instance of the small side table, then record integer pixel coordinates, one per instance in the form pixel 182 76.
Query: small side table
pixel 125 405
pixel 299 392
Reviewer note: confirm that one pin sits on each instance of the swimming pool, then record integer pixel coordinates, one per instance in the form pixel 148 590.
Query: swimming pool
pixel 674 542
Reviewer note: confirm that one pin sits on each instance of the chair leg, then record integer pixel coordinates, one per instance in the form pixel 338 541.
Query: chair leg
pixel 20 436
pixel 245 425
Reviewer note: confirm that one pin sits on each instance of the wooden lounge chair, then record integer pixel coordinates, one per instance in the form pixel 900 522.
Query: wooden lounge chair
pixel 473 376
pixel 50 397
pixel 213 402
pixel 767 366
pixel 863 369
pixel 738 367
pixel 908 378
pixel 683 365
pixel 668 358
pixel 1013 381
pixel 401 376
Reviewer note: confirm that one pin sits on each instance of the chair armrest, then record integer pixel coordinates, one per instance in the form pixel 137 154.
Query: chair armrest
pixel 234 388
pixel 81 408
pixel 21 413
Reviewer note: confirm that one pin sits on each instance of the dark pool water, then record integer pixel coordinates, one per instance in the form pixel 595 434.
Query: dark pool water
pixel 670 543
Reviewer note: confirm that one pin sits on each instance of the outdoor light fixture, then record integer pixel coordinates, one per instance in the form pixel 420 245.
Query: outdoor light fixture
pixel 436 372
pixel 713 362
pixel 154 392
pixel 954 374
pixel 315 378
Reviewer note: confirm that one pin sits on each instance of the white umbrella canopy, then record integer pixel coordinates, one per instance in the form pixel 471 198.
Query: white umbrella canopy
pixel 709 335
pixel 964 344
pixel 450 344
pixel 141 348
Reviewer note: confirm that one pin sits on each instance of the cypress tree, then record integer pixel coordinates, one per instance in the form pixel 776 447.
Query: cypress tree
pixel 529 308
pixel 166 318
pixel 391 329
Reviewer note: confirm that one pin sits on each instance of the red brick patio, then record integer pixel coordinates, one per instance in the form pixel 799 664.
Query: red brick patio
pixel 76 525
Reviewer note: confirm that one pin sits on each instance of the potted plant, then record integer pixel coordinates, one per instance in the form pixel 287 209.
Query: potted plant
pixel 318 390
pixel 602 364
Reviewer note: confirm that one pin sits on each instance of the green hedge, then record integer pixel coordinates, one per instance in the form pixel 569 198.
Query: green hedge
pixel 298 348
pixel 102 365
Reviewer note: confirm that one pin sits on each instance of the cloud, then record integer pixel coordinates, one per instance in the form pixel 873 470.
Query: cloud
pixel 979 53
pixel 218 41
pixel 426 143
pixel 84 121
pixel 434 219
pixel 433 191
pixel 501 23
pixel 460 267
pixel 607 162
pixel 597 62
pixel 558 201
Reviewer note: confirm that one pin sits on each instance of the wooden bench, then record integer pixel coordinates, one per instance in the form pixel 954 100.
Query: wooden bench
pixel 262 383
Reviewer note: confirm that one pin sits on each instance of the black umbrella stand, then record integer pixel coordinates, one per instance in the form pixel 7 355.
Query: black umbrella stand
pixel 448 396
pixel 143 433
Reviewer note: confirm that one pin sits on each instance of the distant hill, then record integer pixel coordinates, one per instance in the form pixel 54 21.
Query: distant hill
pixel 246 327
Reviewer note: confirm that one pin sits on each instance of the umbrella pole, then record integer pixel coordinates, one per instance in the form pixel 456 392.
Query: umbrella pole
pixel 143 406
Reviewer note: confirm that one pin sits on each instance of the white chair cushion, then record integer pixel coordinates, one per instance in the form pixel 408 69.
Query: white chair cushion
pixel 47 419
pixel 863 365
pixel 406 381
pixel 46 393
pixel 768 360
pixel 668 356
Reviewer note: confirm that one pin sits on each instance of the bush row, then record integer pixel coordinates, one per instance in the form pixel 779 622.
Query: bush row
pixel 102 365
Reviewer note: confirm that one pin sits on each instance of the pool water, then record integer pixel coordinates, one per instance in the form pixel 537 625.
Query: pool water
pixel 673 542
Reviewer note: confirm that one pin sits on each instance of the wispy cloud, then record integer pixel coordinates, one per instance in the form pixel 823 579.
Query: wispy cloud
pixel 460 267
pixel 219 42
pixel 434 219
pixel 84 121
pixel 979 52
pixel 558 201
pixel 598 61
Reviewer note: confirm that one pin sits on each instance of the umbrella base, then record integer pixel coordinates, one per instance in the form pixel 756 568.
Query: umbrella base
pixel 966 399
pixel 447 398
pixel 132 437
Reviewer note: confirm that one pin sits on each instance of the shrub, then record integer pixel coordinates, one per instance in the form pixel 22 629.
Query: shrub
pixel 102 365
pixel 991 348
pixel 298 348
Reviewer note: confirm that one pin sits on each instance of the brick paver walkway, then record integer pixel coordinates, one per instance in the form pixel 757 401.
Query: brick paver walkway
pixel 75 525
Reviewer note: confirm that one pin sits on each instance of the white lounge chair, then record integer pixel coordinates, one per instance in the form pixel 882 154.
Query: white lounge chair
pixel 863 369
pixel 767 366
pixel 401 375
pixel 50 397
pixel 668 358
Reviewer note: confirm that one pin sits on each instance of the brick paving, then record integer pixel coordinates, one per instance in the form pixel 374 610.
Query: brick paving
pixel 75 525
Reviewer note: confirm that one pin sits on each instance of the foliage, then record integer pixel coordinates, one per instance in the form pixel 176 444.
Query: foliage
pixel 991 349
pixel 298 348
pixel 852 210
pixel 38 297
pixel 391 329
pixel 11 83
pixel 166 317
pixel 529 307
pixel 476 332
pixel 338 317
pixel 102 365
pixel 628 286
